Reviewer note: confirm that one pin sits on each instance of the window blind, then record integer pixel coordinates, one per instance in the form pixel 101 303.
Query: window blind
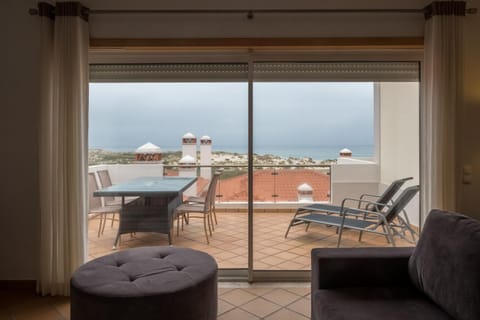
pixel 174 72
pixel 337 71
pixel 263 71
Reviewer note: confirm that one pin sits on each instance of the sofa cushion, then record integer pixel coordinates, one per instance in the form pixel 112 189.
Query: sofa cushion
pixel 366 303
pixel 445 265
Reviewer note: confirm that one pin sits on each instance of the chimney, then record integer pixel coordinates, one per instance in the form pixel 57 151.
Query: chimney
pixel 346 153
pixel 305 193
pixel 189 145
pixel 148 153
pixel 187 168
pixel 206 157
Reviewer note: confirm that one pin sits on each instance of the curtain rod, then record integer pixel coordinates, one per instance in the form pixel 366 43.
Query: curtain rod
pixel 250 13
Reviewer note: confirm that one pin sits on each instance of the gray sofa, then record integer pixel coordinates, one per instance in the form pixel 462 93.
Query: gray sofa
pixel 439 279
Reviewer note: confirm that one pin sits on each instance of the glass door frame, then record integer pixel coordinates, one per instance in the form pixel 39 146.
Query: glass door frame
pixel 250 57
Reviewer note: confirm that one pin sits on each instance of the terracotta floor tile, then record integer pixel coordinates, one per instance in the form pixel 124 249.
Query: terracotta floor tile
pixel 228 245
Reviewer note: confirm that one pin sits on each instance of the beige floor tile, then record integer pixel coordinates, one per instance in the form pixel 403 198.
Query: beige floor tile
pixel 224 306
pixel 258 291
pixel 238 297
pixel 300 291
pixel 301 306
pixel 237 314
pixel 281 297
pixel 260 307
pixel 285 314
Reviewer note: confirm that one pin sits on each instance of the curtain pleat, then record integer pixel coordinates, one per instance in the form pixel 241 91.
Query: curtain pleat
pixel 63 150
pixel 442 86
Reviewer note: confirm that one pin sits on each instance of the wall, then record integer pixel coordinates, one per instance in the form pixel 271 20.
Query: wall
pixel 399 137
pixel 19 92
pixel 399 131
pixel 123 172
pixel 19 89
pixel 350 178
pixel 271 25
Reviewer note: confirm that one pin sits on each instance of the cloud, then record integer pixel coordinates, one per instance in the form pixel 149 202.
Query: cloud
pixel 127 115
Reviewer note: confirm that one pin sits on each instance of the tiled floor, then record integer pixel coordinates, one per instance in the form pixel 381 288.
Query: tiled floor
pixel 229 247
pixel 236 301
pixel 272 251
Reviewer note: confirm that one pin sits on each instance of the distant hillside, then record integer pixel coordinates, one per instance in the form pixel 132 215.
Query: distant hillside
pixel 100 156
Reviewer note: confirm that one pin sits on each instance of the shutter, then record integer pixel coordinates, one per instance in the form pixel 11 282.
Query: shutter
pixel 263 71
pixel 337 71
pixel 173 72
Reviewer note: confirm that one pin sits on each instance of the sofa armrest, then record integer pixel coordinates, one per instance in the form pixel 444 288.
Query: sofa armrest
pixel 359 267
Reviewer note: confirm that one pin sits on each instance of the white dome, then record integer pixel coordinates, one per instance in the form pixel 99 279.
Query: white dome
pixel 188 135
pixel 305 187
pixel 345 150
pixel 148 148
pixel 187 160
pixel 205 138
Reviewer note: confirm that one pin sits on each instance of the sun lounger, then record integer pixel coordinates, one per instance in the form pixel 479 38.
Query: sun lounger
pixel 364 220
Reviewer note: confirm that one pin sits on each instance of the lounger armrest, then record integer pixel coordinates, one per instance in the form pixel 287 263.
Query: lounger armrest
pixel 353 267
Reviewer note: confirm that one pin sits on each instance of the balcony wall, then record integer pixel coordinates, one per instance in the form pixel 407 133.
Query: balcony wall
pixel 353 177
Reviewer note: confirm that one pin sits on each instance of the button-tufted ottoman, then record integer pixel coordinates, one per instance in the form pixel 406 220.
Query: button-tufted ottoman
pixel 146 283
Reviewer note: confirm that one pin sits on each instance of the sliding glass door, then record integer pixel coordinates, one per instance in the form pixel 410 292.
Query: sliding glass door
pixel 324 132
pixel 283 135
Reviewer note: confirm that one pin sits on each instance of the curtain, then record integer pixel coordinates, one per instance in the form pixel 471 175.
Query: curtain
pixel 442 81
pixel 63 144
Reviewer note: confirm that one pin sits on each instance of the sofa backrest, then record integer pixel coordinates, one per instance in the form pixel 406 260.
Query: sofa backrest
pixel 445 265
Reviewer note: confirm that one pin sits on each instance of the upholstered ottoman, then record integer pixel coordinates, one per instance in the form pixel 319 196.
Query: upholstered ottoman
pixel 146 283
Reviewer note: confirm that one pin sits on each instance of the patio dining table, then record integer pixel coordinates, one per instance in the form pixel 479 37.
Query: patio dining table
pixel 153 210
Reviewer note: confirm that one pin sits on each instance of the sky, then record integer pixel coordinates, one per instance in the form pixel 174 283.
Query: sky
pixel 123 116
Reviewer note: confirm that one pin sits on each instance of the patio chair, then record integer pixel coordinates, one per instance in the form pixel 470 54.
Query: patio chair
pixel 204 209
pixel 365 220
pixel 96 209
pixel 213 181
pixel 379 200
pixel 105 182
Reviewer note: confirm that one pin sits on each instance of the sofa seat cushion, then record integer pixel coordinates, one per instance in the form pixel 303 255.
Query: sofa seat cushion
pixel 366 303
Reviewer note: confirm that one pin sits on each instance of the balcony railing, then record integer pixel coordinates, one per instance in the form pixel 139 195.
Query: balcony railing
pixel 273 184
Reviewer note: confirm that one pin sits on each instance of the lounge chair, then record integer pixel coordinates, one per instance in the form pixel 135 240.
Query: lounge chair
pixel 380 200
pixel 365 220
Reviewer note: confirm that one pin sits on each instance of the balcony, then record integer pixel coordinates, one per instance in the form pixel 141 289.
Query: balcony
pixel 277 194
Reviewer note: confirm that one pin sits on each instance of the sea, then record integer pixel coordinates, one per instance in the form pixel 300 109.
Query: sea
pixel 314 152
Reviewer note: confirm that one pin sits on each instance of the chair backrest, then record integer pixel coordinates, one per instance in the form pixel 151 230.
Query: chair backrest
pixel 388 194
pixel 105 181
pixel 93 202
pixel 401 202
pixel 211 192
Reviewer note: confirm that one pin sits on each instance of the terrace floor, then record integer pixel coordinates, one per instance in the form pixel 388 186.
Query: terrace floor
pixel 228 245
